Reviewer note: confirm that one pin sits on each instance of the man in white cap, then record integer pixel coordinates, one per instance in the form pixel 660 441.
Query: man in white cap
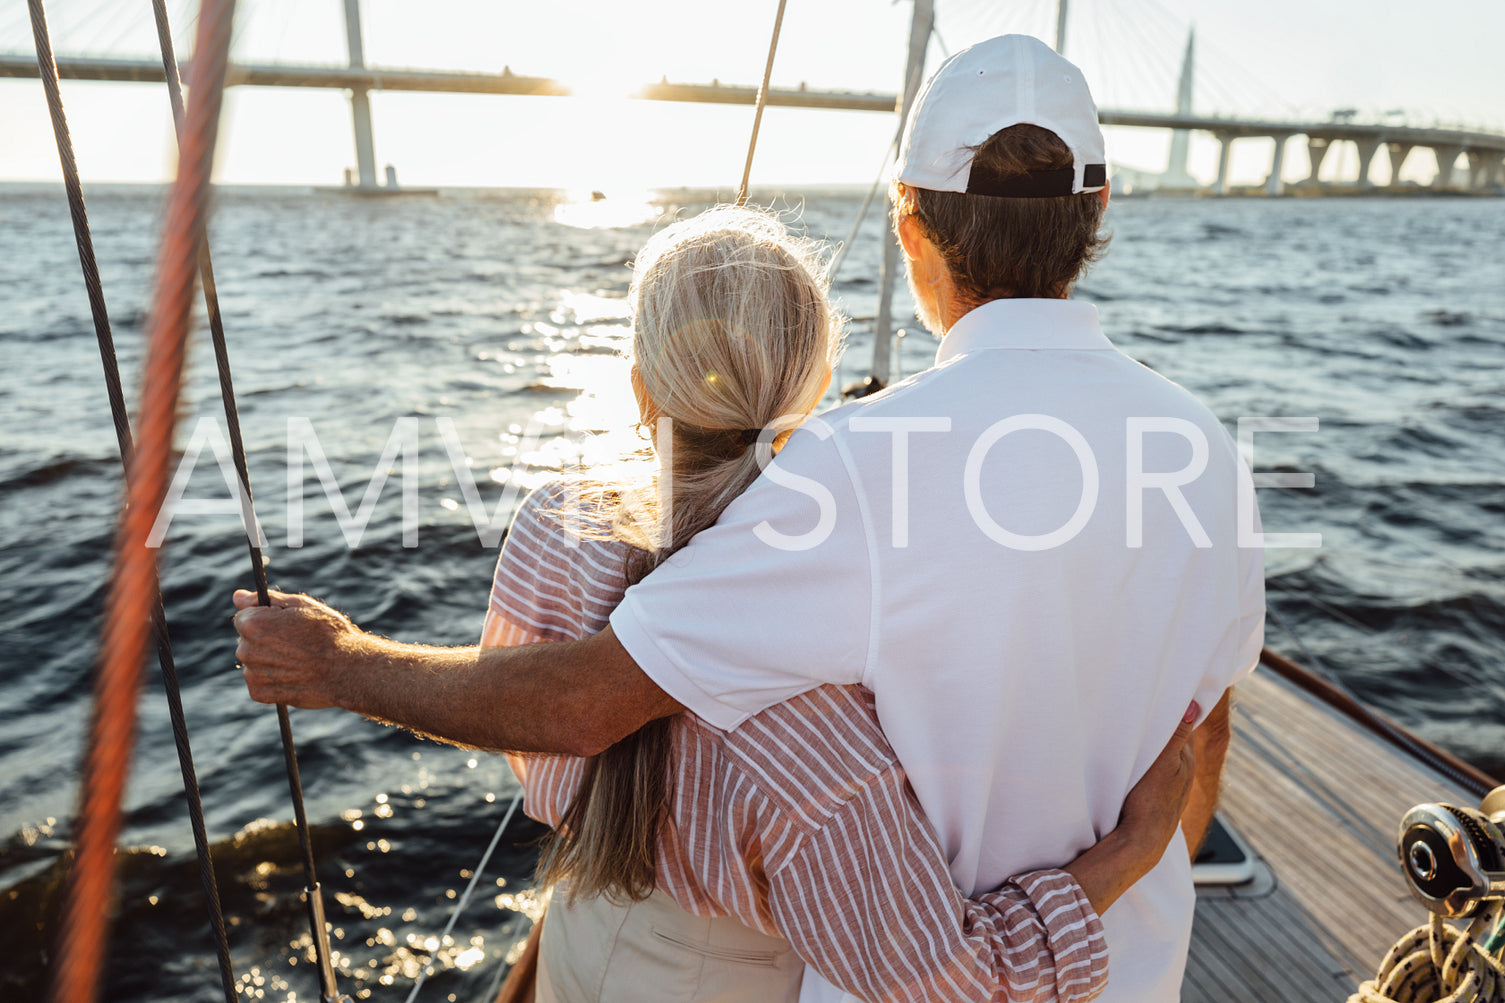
pixel 1029 552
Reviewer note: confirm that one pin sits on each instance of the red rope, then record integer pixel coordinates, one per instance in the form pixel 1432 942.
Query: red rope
pixel 127 631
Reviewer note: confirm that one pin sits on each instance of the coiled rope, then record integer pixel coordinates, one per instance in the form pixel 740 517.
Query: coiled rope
pixel 131 598
pixel 1438 963
pixel 81 233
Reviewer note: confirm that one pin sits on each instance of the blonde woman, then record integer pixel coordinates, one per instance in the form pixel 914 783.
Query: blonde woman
pixel 694 864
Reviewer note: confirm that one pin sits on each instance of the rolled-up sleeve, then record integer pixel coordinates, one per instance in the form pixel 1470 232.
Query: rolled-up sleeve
pixel 867 901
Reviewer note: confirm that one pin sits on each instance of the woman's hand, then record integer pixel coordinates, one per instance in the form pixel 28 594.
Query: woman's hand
pixel 1152 811
pixel 1148 822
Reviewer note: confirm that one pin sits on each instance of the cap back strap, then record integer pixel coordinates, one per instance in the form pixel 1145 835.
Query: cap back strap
pixel 1036 184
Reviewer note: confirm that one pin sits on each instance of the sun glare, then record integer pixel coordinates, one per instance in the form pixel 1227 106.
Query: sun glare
pixel 598 210
pixel 600 83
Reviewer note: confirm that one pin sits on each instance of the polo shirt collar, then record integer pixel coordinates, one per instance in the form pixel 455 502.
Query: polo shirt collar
pixel 1030 324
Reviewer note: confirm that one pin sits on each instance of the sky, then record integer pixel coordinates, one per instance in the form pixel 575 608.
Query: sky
pixel 1284 58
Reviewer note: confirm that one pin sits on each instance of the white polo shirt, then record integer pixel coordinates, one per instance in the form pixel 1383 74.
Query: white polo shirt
pixel 1034 580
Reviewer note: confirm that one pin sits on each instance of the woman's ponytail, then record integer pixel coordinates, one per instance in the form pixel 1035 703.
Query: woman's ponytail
pixel 734 340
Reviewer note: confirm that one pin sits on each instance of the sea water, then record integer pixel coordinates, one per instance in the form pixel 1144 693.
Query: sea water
pixel 493 323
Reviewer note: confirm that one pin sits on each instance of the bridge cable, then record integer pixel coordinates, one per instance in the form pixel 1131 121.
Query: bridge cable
pixel 131 597
pixel 103 335
pixel 312 891
pixel 752 143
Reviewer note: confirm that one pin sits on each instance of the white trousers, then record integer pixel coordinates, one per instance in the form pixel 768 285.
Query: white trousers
pixel 597 951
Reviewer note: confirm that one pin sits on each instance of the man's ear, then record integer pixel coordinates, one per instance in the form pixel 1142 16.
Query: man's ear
pixel 911 236
pixel 1103 194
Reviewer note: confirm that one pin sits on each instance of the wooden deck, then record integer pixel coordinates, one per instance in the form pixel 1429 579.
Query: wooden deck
pixel 1320 800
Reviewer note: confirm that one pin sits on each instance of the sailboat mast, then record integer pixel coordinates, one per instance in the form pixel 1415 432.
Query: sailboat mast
pixel 1061 9
pixel 914 71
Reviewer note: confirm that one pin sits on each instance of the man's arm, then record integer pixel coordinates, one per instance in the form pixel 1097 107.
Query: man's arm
pixel 573 697
pixel 1210 744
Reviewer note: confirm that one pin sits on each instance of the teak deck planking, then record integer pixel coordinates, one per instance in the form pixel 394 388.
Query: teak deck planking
pixel 1319 799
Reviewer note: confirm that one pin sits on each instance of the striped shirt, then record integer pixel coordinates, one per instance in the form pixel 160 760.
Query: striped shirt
pixel 800 822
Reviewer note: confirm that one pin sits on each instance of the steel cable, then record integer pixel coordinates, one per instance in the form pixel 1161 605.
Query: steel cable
pixel 103 335
pixel 253 532
pixel 80 958
pixel 475 877
pixel 752 143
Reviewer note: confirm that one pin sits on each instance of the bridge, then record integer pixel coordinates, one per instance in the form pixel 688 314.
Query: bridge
pixel 1482 151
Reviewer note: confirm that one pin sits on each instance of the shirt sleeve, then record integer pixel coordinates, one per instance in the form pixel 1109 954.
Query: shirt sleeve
pixel 1247 628
pixel 538 594
pixel 773 600
pixel 1251 566
pixel 1249 637
pixel 867 902
pixel 1251 624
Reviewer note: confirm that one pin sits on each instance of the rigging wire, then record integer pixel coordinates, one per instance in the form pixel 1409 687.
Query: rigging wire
pixel 80 957
pixel 465 897
pixel 936 34
pixel 752 143
pixel 494 990
pixel 103 335
pixel 867 201
pixel 311 890
pixel 914 73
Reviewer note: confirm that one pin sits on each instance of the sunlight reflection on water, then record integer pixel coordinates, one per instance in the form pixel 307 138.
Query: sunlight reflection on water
pixel 585 211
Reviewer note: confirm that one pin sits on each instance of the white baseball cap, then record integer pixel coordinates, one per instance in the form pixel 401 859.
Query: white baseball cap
pixel 1004 81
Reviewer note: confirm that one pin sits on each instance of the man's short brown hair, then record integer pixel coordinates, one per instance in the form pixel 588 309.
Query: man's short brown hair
pixel 1010 248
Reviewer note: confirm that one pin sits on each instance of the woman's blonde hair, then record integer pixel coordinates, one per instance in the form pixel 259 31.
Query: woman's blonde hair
pixel 733 334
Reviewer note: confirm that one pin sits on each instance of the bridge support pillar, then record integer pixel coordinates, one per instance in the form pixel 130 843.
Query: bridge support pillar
pixel 365 145
pixel 360 102
pixel 1367 149
pixel 1273 183
pixel 1225 142
pixel 1483 169
pixel 1447 157
pixel 1316 151
pixel 1398 153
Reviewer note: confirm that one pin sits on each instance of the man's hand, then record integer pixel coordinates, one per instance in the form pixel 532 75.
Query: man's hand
pixel 298 651
pixel 570 697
